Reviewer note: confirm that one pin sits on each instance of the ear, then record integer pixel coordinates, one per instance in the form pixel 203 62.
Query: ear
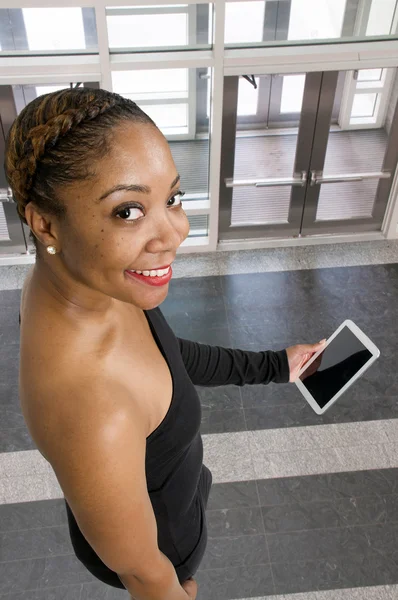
pixel 42 226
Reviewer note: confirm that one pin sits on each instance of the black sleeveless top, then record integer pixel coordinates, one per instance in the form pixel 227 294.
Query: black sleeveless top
pixel 177 481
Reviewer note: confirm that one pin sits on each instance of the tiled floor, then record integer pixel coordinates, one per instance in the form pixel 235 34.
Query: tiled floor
pixel 303 507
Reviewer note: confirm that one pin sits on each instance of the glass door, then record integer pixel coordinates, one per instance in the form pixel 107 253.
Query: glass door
pixel 315 156
pixel 265 154
pixel 354 153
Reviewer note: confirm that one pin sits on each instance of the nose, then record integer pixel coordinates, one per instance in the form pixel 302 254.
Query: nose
pixel 165 236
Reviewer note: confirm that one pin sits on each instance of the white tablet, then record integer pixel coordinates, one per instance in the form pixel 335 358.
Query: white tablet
pixel 329 373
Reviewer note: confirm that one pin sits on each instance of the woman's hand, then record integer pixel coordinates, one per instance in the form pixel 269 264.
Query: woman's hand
pixel 191 588
pixel 299 355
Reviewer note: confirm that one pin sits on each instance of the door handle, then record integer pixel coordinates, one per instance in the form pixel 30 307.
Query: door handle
pixel 317 177
pixel 297 180
pixel 6 195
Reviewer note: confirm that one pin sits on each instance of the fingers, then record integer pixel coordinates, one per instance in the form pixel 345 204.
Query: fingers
pixel 318 346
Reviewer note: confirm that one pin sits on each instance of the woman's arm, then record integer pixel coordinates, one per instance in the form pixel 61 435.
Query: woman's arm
pixel 98 455
pixel 213 365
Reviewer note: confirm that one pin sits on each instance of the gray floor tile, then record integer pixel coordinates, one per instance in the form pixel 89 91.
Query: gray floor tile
pixel 234 521
pixel 236 551
pixel 40 573
pixel 235 582
pixel 233 495
pixel 223 421
pixel 220 397
pixel 228 456
pixel 339 513
pixel 333 542
pixel 332 486
pixel 10 297
pixel 214 337
pixel 70 592
pixel 34 543
pixel 101 591
pixel 32 515
pixel 367 569
pixel 16 439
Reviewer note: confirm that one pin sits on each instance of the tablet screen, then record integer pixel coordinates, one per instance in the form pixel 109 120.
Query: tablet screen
pixel 335 366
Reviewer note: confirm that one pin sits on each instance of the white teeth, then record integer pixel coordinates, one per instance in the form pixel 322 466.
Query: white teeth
pixel 152 273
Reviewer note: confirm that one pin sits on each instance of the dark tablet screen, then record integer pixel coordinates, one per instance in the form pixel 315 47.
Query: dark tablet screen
pixel 335 366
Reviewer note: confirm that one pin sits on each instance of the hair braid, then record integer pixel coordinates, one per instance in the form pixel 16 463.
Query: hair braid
pixel 26 149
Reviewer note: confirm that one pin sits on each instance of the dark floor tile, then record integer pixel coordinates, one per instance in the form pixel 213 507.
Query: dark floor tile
pixel 326 543
pixel 235 582
pixel 9 362
pixel 101 591
pixel 237 551
pixel 11 416
pixel 223 421
pixel 16 440
pixel 67 592
pixel 234 521
pixel 262 337
pixel 359 570
pixel 9 335
pixel 332 486
pixel 10 298
pixel 220 397
pixel 338 513
pixel 213 337
pixel 34 543
pixel 40 573
pixel 32 515
pixel 264 396
pixel 233 495
pixel 187 318
pixel 289 415
pixel 247 292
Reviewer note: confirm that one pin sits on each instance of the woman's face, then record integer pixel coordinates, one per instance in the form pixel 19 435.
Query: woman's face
pixel 110 231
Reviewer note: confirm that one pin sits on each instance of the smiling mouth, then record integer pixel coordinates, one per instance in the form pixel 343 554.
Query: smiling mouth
pixel 160 272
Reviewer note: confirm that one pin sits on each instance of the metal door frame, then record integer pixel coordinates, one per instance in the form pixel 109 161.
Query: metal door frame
pixel 301 164
pixel 310 225
pixel 17 240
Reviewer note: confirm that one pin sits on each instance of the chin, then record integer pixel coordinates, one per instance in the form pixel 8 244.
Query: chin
pixel 153 300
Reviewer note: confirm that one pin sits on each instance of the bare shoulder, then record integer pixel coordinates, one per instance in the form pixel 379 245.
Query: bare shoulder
pixel 72 381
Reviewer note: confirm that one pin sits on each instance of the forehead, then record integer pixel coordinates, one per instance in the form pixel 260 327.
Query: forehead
pixel 140 151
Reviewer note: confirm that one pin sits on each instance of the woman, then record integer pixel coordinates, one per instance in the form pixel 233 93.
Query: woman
pixel 106 389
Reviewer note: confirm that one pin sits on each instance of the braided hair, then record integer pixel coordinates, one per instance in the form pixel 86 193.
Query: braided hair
pixel 56 138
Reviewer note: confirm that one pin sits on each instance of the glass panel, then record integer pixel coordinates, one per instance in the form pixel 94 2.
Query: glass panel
pixel 4 235
pixel 359 151
pixel 173 102
pixel 244 22
pixel 48 29
pixel 370 74
pixel 346 200
pixel 364 105
pixel 326 19
pixel 284 21
pixel 247 97
pixel 261 153
pixel 292 93
pixel 163 26
pixel 381 17
pixel 199 225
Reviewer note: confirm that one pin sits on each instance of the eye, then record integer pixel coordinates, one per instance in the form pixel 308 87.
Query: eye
pixel 129 213
pixel 177 196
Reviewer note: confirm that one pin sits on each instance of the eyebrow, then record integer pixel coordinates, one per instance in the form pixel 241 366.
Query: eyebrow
pixel 141 189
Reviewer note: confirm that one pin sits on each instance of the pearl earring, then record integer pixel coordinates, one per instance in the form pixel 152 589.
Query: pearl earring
pixel 51 249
